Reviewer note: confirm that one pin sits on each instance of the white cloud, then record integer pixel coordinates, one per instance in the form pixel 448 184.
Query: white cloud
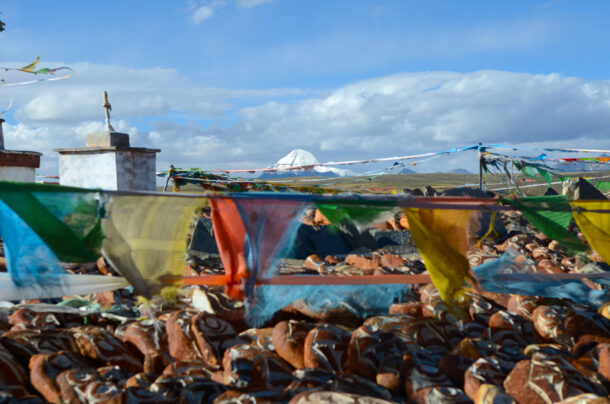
pixel 205 10
pixel 393 115
pixel 251 3
pixel 202 13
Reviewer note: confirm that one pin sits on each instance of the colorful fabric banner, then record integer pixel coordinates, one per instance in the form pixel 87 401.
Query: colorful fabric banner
pixel 361 300
pixel 515 274
pixel 595 225
pixel 66 219
pixel 441 236
pixel 29 261
pixel 230 235
pixel 146 237
pixel 551 215
pixel 603 186
pixel 361 215
pixel 268 227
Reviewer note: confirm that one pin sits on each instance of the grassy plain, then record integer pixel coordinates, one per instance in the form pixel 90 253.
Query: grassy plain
pixel 439 181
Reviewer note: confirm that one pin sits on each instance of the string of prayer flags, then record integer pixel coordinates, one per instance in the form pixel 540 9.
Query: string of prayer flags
pixel 145 237
pixel 441 237
pixel 45 74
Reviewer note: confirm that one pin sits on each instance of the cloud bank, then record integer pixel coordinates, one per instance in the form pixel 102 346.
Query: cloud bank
pixel 238 128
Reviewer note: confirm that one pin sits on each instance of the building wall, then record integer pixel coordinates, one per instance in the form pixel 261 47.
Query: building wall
pixel 94 170
pixel 18 174
pixel 137 171
pixel 111 170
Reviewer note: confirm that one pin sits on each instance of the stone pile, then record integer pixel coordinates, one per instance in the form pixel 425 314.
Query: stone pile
pixel 198 349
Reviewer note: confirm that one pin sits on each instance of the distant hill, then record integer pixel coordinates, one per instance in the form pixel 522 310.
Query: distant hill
pixel 459 171
pixel 300 157
pixel 405 171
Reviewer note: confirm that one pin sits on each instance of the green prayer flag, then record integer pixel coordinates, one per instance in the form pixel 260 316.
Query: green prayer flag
pixel 68 220
pixel 357 213
pixel 530 172
pixel 546 175
pixel 603 185
pixel 551 215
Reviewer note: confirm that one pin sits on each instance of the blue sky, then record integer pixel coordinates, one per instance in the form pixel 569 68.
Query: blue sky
pixel 236 83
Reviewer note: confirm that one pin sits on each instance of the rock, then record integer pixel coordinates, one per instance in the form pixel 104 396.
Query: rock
pixel 549 324
pixel 201 391
pixel 331 397
pixel 433 334
pixel 141 380
pixel 367 349
pixel 247 366
pixel 309 380
pixel 24 318
pixel 604 361
pixel 289 341
pixel 326 348
pixel 392 261
pixel 548 378
pixel 148 337
pixel 583 322
pixel 491 370
pixel 181 346
pixel 454 366
pixel 491 394
pixel 319 219
pixel 105 268
pixel 143 396
pixel 258 337
pixel 396 242
pixel 202 239
pixel 13 377
pixel 326 242
pixel 315 263
pixel 363 262
pixel 523 305
pixel 103 347
pixel 586 398
pixel 420 368
pixel 212 335
pixel 481 309
pixel 44 369
pixel 506 320
pixel 194 368
pixel 413 309
pixel 441 395
pixel 80 385
pixel 24 344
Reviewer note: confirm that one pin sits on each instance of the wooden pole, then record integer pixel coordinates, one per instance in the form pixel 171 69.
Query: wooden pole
pixel 480 168
pixel 169 174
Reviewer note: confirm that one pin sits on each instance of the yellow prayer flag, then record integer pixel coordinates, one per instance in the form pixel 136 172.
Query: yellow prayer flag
pixel 595 225
pixel 441 236
pixel 145 237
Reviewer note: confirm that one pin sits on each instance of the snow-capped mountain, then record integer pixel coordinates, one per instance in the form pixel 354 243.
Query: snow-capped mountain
pixel 300 157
